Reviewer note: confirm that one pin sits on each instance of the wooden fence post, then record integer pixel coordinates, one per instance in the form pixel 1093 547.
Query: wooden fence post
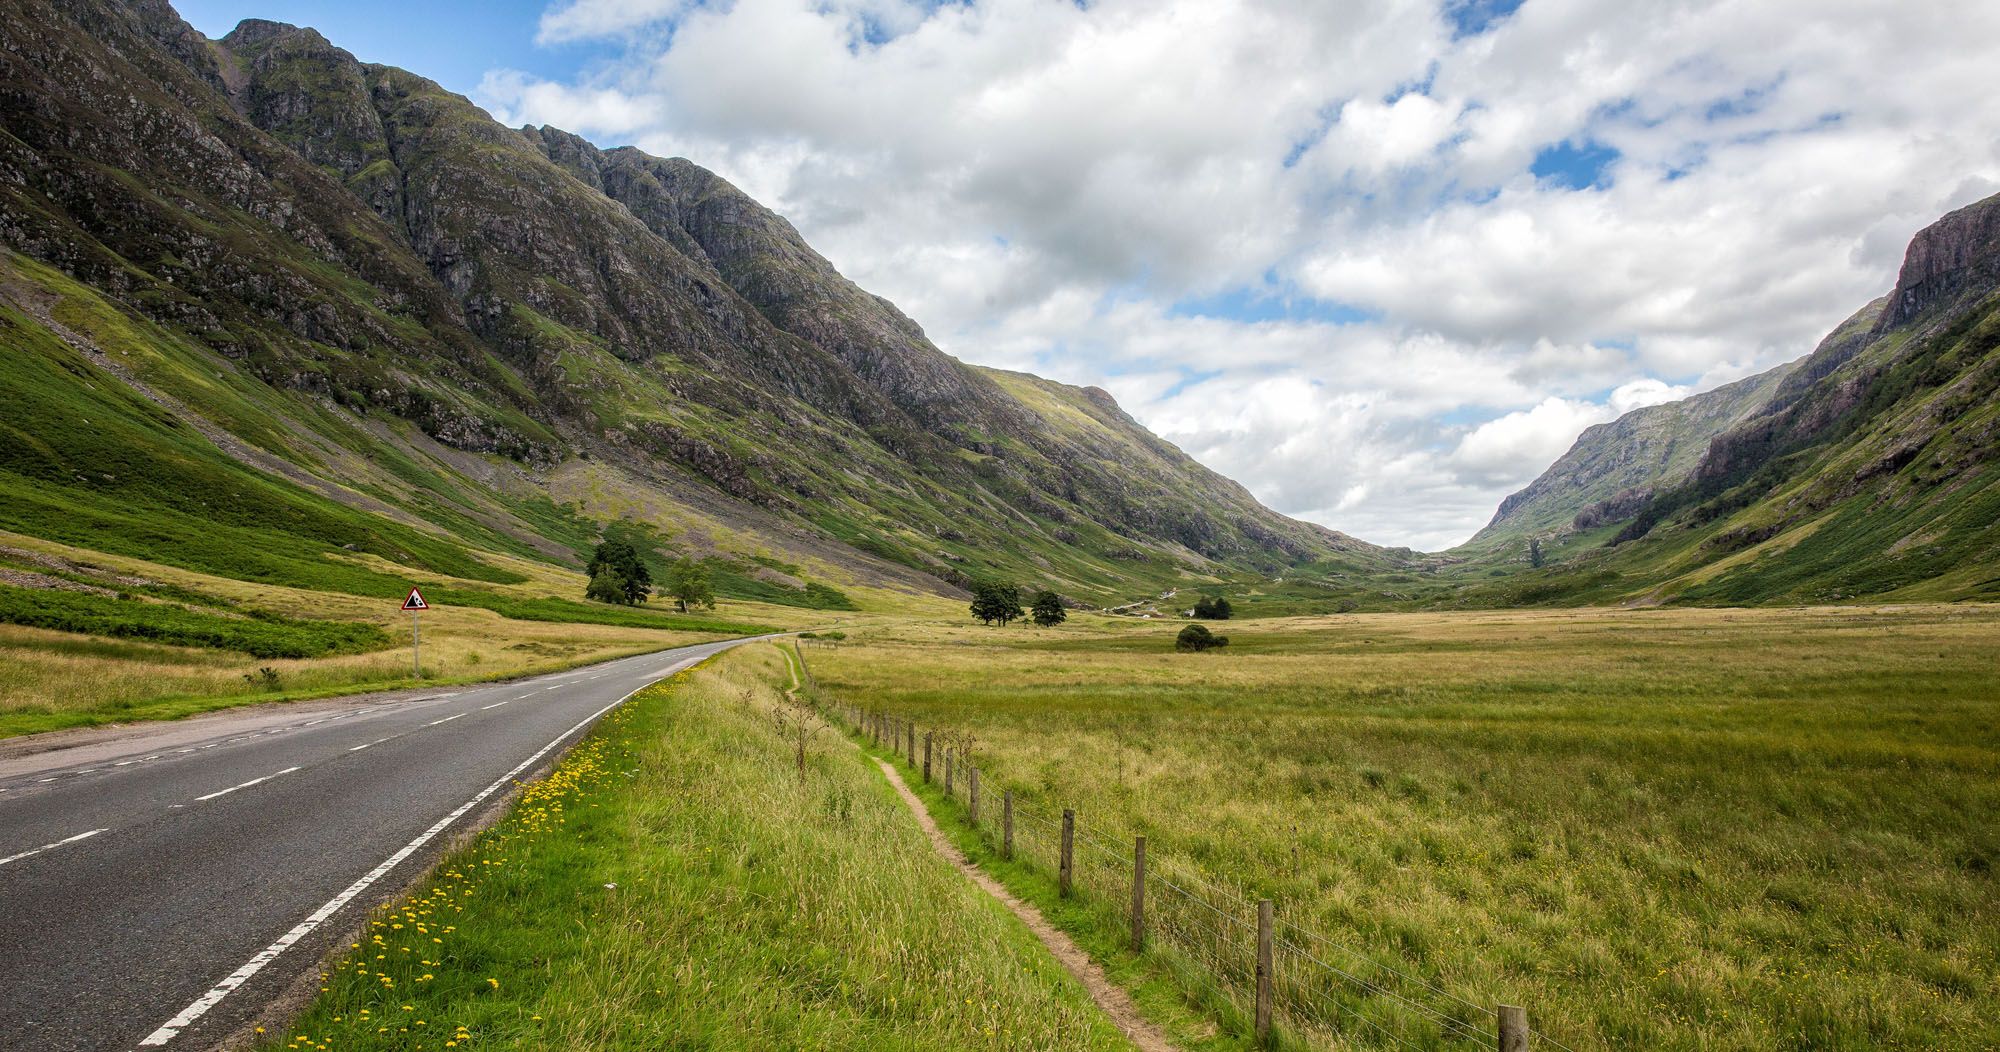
pixel 1066 868
pixel 948 771
pixel 1007 824
pixel 928 735
pixel 1264 972
pixel 972 793
pixel 1513 1029
pixel 913 743
pixel 1138 894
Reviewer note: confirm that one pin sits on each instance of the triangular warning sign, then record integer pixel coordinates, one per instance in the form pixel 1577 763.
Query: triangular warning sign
pixel 415 601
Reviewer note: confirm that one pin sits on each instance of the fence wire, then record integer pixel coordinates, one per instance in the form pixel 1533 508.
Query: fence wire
pixel 1321 989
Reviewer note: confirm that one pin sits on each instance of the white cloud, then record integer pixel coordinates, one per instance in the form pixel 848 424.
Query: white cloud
pixel 1040 183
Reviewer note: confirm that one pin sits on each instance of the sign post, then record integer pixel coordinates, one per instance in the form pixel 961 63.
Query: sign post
pixel 415 604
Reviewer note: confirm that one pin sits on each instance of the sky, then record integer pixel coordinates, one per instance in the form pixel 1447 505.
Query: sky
pixel 1381 262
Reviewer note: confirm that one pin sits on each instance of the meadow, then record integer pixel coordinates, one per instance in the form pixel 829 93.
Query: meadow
pixel 677 882
pixel 173 642
pixel 1661 828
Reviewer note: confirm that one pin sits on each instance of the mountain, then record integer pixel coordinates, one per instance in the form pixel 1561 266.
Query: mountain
pixel 1867 469
pixel 1615 466
pixel 337 309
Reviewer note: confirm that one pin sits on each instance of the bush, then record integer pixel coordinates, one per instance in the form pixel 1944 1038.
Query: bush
pixel 259 634
pixel 1198 637
pixel 1212 608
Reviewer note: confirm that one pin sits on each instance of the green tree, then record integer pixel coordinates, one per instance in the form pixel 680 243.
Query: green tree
pixel 1047 609
pixel 688 584
pixel 1198 637
pixel 1212 608
pixel 623 562
pixel 606 586
pixel 996 601
pixel 1535 552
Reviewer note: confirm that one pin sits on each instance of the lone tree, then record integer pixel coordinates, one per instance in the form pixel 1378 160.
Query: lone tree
pixel 688 584
pixel 996 601
pixel 1048 609
pixel 1535 552
pixel 1212 608
pixel 1198 637
pixel 618 575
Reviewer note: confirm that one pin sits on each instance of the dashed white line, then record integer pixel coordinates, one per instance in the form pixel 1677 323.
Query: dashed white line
pixel 245 785
pixel 47 847
pixel 495 705
pixel 447 719
pixel 377 741
pixel 172 1028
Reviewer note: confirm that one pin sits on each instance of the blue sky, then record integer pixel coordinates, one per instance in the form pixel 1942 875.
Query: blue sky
pixel 1380 260
pixel 454 42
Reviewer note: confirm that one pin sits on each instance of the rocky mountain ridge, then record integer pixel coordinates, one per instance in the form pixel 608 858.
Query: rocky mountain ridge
pixel 374 250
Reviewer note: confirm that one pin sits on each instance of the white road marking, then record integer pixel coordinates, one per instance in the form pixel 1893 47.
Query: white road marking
pixel 169 1030
pixel 495 705
pixel 447 719
pixel 377 741
pixel 530 694
pixel 245 785
pixel 46 847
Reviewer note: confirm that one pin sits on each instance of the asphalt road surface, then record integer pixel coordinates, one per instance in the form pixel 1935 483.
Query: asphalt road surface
pixel 158 886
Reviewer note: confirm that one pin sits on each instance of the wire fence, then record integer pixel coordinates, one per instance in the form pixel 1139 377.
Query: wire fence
pixel 1280 977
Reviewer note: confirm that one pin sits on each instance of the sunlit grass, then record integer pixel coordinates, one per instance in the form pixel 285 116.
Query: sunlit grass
pixel 674 884
pixel 1671 829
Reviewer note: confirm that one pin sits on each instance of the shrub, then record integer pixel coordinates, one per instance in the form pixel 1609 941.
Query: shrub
pixel 1212 608
pixel 1198 637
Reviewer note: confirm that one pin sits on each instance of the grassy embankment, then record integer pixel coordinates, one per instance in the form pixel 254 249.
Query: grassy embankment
pixel 180 642
pixel 674 884
pixel 1677 829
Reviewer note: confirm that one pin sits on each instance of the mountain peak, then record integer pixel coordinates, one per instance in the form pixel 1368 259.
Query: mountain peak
pixel 1958 252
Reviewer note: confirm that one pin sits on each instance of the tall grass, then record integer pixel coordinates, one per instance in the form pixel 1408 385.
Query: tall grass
pixel 1669 829
pixel 674 884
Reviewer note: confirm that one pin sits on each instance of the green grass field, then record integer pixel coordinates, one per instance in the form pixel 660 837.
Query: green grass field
pixel 674 884
pixel 1672 829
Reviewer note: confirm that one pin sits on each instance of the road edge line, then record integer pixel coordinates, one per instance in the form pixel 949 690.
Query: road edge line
pixel 200 1006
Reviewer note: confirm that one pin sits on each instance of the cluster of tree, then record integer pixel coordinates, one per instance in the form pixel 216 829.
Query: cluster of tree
pixel 1198 637
pixel 1212 608
pixel 1535 552
pixel 999 602
pixel 618 575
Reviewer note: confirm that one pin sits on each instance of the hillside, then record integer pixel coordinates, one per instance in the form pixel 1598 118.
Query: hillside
pixel 1868 471
pixel 277 314
pixel 1613 467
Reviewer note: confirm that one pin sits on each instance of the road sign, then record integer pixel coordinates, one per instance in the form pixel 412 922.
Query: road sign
pixel 414 603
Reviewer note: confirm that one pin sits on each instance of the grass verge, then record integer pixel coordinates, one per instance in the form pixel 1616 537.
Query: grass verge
pixel 674 884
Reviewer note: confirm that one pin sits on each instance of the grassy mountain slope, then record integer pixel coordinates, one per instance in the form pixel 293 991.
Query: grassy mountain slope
pixel 368 287
pixel 1613 467
pixel 1870 470
pixel 280 317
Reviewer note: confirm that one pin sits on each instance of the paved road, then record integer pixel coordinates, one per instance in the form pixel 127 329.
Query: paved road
pixel 156 890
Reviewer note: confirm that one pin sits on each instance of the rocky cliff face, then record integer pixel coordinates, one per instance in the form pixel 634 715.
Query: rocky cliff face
pixel 1613 467
pixel 1871 469
pixel 1956 255
pixel 354 235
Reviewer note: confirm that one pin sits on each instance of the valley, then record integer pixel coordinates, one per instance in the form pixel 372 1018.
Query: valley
pixel 1692 746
